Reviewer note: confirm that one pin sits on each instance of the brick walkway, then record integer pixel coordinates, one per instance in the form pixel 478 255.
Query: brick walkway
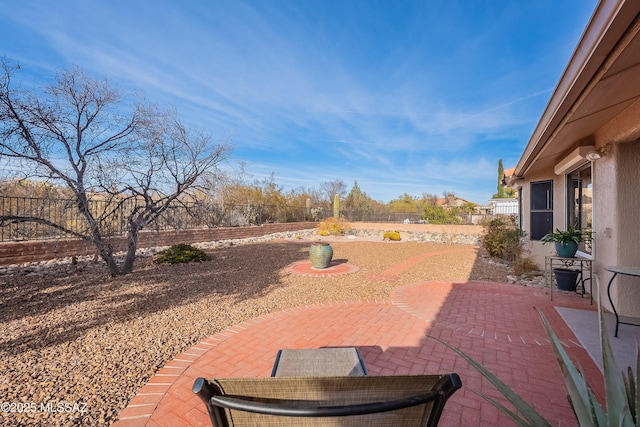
pixel 497 324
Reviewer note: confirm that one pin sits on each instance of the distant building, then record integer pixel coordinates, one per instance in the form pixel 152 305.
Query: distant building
pixel 505 206
pixel 452 202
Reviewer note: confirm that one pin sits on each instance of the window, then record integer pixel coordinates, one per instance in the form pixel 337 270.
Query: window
pixel 580 202
pixel 541 209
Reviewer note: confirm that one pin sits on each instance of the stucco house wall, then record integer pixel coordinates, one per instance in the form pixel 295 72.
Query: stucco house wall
pixel 595 107
pixel 616 212
pixel 616 179
pixel 618 230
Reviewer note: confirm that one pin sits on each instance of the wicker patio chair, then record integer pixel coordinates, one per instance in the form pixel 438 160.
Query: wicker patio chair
pixel 416 400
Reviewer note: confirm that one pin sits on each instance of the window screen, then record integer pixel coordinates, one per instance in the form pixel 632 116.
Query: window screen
pixel 541 209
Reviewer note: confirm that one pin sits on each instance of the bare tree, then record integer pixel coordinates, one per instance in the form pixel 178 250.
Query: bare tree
pixel 86 135
pixel 331 188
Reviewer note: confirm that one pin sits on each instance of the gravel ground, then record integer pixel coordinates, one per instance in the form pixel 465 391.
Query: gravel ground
pixel 77 344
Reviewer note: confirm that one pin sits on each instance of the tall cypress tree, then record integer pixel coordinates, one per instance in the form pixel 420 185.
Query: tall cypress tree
pixel 500 194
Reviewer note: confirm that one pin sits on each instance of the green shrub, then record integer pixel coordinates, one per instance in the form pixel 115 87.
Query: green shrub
pixel 442 215
pixel 181 253
pixel 502 238
pixel 391 235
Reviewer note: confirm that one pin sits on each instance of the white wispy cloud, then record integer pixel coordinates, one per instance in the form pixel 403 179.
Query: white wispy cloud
pixel 401 96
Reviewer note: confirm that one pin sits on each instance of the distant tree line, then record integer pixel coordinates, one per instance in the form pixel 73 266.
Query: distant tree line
pixel 262 200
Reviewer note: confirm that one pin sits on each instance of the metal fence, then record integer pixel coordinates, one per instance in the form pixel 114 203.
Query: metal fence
pixel 113 215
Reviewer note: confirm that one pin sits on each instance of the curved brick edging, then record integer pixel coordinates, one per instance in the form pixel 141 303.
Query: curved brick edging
pixel 305 268
pixel 393 273
pixel 148 399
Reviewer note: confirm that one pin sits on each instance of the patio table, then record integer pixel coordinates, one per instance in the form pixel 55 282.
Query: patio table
pixel 625 271
pixel 319 362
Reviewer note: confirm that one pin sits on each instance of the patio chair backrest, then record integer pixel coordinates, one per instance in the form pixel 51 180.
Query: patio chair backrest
pixel 413 400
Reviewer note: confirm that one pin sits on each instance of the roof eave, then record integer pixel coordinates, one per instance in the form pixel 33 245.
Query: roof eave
pixel 608 22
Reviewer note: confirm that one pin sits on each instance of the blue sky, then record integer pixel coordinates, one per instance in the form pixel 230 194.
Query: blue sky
pixel 401 96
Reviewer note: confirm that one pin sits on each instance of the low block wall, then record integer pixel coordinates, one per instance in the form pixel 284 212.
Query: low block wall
pixel 43 250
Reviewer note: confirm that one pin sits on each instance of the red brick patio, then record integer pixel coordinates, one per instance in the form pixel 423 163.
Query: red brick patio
pixel 497 324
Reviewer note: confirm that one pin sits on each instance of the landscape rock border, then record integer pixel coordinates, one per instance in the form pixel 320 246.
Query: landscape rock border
pixel 69 265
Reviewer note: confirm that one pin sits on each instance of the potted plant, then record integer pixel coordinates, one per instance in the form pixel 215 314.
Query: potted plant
pixel 566 242
pixel 566 278
pixel 320 254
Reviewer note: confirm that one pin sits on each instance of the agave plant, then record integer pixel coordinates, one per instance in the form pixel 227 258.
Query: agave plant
pixel 621 389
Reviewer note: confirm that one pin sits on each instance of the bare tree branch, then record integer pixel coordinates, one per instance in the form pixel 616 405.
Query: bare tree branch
pixel 79 132
pixel 19 218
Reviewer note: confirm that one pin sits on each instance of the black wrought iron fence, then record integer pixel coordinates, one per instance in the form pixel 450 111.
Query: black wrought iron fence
pixel 57 211
pixel 463 218
pixel 113 214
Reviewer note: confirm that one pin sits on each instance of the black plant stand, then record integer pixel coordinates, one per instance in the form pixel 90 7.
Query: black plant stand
pixel 582 264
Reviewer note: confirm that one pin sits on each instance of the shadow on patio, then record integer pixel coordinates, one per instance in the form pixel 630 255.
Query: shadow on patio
pixel 497 324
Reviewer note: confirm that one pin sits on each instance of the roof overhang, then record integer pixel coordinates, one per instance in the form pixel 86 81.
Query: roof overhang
pixel 601 80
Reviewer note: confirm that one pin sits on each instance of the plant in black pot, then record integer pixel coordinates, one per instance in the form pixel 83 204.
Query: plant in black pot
pixel 566 278
pixel 566 242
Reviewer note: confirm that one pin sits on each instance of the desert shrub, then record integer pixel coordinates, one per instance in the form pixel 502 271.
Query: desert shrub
pixel 181 253
pixel 525 265
pixel 442 215
pixel 502 238
pixel 391 235
pixel 333 226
